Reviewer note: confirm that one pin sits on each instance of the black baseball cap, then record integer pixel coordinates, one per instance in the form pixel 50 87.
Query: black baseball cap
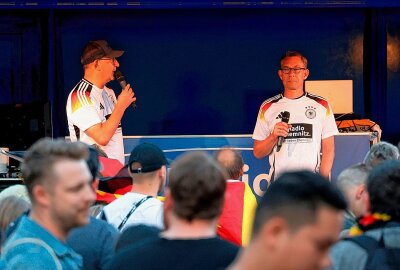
pixel 98 49
pixel 150 157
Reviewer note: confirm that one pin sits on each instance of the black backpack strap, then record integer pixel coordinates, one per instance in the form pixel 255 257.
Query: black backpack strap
pixel 379 256
pixel 366 242
pixel 369 243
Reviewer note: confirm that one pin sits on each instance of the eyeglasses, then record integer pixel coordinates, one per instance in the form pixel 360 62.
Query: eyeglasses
pixel 287 70
pixel 113 60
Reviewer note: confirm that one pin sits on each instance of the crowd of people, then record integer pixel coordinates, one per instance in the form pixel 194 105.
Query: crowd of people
pixel 303 221
pixel 207 218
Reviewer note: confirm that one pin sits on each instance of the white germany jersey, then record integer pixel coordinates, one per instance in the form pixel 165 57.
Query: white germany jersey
pixel 88 105
pixel 312 120
pixel 149 212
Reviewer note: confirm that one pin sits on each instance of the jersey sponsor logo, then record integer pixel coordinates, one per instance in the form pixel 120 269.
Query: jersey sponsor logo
pixel 299 133
pixel 310 112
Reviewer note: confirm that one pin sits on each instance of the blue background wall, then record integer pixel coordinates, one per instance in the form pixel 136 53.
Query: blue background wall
pixel 200 69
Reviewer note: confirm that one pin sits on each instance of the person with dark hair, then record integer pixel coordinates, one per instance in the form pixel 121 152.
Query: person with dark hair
pixel 147 168
pixel 59 186
pixel 95 241
pixel 193 202
pixel 379 229
pixel 235 222
pixel 93 111
pixel 352 182
pixel 135 234
pixel 94 164
pixel 297 221
pixel 305 122
pixel 379 152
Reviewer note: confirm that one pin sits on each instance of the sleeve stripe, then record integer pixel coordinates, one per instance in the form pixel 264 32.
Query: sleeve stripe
pixel 266 104
pixel 83 94
pixel 80 97
pixel 322 101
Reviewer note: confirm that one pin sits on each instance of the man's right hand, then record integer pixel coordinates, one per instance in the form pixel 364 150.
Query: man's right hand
pixel 102 133
pixel 126 97
pixel 281 129
pixel 264 148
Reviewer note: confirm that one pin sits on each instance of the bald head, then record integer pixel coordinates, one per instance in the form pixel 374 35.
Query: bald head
pixel 231 160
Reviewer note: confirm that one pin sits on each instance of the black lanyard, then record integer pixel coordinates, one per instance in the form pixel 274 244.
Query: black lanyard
pixel 134 207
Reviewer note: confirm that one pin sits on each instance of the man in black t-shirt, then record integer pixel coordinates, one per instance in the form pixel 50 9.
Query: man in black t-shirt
pixel 193 202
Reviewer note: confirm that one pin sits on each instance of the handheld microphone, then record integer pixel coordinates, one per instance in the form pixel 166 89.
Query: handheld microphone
pixel 121 79
pixel 285 118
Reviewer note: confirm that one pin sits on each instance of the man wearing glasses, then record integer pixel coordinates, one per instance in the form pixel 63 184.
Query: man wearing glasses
pixel 94 113
pixel 309 128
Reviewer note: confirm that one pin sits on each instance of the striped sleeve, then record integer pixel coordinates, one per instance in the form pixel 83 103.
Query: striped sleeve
pixel 262 130
pixel 80 96
pixel 83 112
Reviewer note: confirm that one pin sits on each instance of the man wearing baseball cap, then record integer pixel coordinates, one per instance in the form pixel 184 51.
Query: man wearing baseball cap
pixel 147 167
pixel 93 111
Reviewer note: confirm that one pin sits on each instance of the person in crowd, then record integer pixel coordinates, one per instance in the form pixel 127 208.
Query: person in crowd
pixel 236 219
pixel 59 186
pixel 381 226
pixel 352 182
pixel 135 234
pixel 305 122
pixel 297 221
pixel 379 152
pixel 11 207
pixel 193 202
pixel 147 167
pixel 232 161
pixel 93 111
pixel 95 241
pixel 17 190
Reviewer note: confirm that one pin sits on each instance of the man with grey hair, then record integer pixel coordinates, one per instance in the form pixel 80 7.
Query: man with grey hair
pixel 380 152
pixel 351 182
pixel 376 239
